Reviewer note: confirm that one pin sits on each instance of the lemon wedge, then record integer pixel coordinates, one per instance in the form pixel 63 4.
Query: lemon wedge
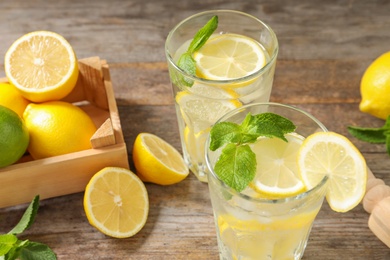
pixel 157 161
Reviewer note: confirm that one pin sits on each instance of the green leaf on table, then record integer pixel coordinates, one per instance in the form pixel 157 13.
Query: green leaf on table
pixel 379 135
pixel 12 248
pixel 28 217
pixel 36 251
pixel 236 166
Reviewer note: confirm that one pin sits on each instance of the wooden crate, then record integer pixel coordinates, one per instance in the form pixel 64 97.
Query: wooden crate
pixel 70 173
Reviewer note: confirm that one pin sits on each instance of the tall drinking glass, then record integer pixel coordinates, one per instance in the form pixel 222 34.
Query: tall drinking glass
pixel 199 105
pixel 254 226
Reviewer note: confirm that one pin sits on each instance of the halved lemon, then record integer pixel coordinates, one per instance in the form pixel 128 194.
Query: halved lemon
pixel 200 113
pixel 277 173
pixel 116 202
pixel 333 155
pixel 229 56
pixel 157 161
pixel 42 65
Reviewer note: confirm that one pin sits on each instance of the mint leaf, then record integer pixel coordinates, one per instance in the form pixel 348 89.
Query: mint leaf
pixel 7 241
pixel 28 217
pixel 236 166
pixel 223 133
pixel 186 62
pixel 36 251
pixel 203 35
pixel 265 124
pixel 12 248
pixel 272 125
pixel 373 135
pixel 370 135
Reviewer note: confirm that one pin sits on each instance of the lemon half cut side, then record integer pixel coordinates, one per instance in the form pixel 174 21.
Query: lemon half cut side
pixel 116 202
pixel 42 65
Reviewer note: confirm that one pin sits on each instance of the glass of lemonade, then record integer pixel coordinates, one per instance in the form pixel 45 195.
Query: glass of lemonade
pixel 233 68
pixel 273 216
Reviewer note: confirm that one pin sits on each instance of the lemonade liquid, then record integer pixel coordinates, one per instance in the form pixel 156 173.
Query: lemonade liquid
pixel 251 225
pixel 199 106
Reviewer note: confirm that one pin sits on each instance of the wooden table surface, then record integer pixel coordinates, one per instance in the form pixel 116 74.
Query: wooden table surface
pixel 325 46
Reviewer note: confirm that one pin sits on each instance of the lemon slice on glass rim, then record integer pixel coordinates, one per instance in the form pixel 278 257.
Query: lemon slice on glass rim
pixel 333 155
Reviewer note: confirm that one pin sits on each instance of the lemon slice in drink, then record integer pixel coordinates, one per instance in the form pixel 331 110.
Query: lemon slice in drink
pixel 157 161
pixel 116 202
pixel 333 155
pixel 229 56
pixel 213 91
pixel 200 113
pixel 42 65
pixel 277 173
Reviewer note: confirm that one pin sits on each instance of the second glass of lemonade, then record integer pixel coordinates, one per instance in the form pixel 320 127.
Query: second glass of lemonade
pixel 273 216
pixel 233 68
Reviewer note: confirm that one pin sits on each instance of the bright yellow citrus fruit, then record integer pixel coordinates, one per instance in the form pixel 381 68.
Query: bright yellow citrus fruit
pixel 57 128
pixel 333 155
pixel 42 65
pixel 10 97
pixel 375 88
pixel 14 137
pixel 229 56
pixel 158 162
pixel 277 172
pixel 116 202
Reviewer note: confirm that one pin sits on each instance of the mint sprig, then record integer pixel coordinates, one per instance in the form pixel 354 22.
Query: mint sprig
pixel 12 248
pixel 186 62
pixel 379 135
pixel 237 164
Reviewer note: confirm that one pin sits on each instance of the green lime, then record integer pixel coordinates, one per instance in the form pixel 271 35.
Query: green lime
pixel 14 137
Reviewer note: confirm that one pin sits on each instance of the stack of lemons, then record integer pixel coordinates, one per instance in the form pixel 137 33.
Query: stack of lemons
pixel 41 68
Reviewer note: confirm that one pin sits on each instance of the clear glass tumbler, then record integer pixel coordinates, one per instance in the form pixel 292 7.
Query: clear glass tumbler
pixel 253 227
pixel 199 106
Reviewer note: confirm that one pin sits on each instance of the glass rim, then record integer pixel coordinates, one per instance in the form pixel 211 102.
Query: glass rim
pixel 264 200
pixel 228 81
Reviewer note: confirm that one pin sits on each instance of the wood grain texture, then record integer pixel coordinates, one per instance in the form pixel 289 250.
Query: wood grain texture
pixel 325 47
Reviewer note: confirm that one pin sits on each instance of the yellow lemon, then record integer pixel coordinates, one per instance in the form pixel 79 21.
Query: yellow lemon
pixel 158 162
pixel 14 137
pixel 42 65
pixel 10 97
pixel 116 202
pixel 375 88
pixel 229 56
pixel 57 128
pixel 333 155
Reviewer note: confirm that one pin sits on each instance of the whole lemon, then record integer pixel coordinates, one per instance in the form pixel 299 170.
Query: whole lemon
pixel 10 97
pixel 14 137
pixel 57 128
pixel 375 88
